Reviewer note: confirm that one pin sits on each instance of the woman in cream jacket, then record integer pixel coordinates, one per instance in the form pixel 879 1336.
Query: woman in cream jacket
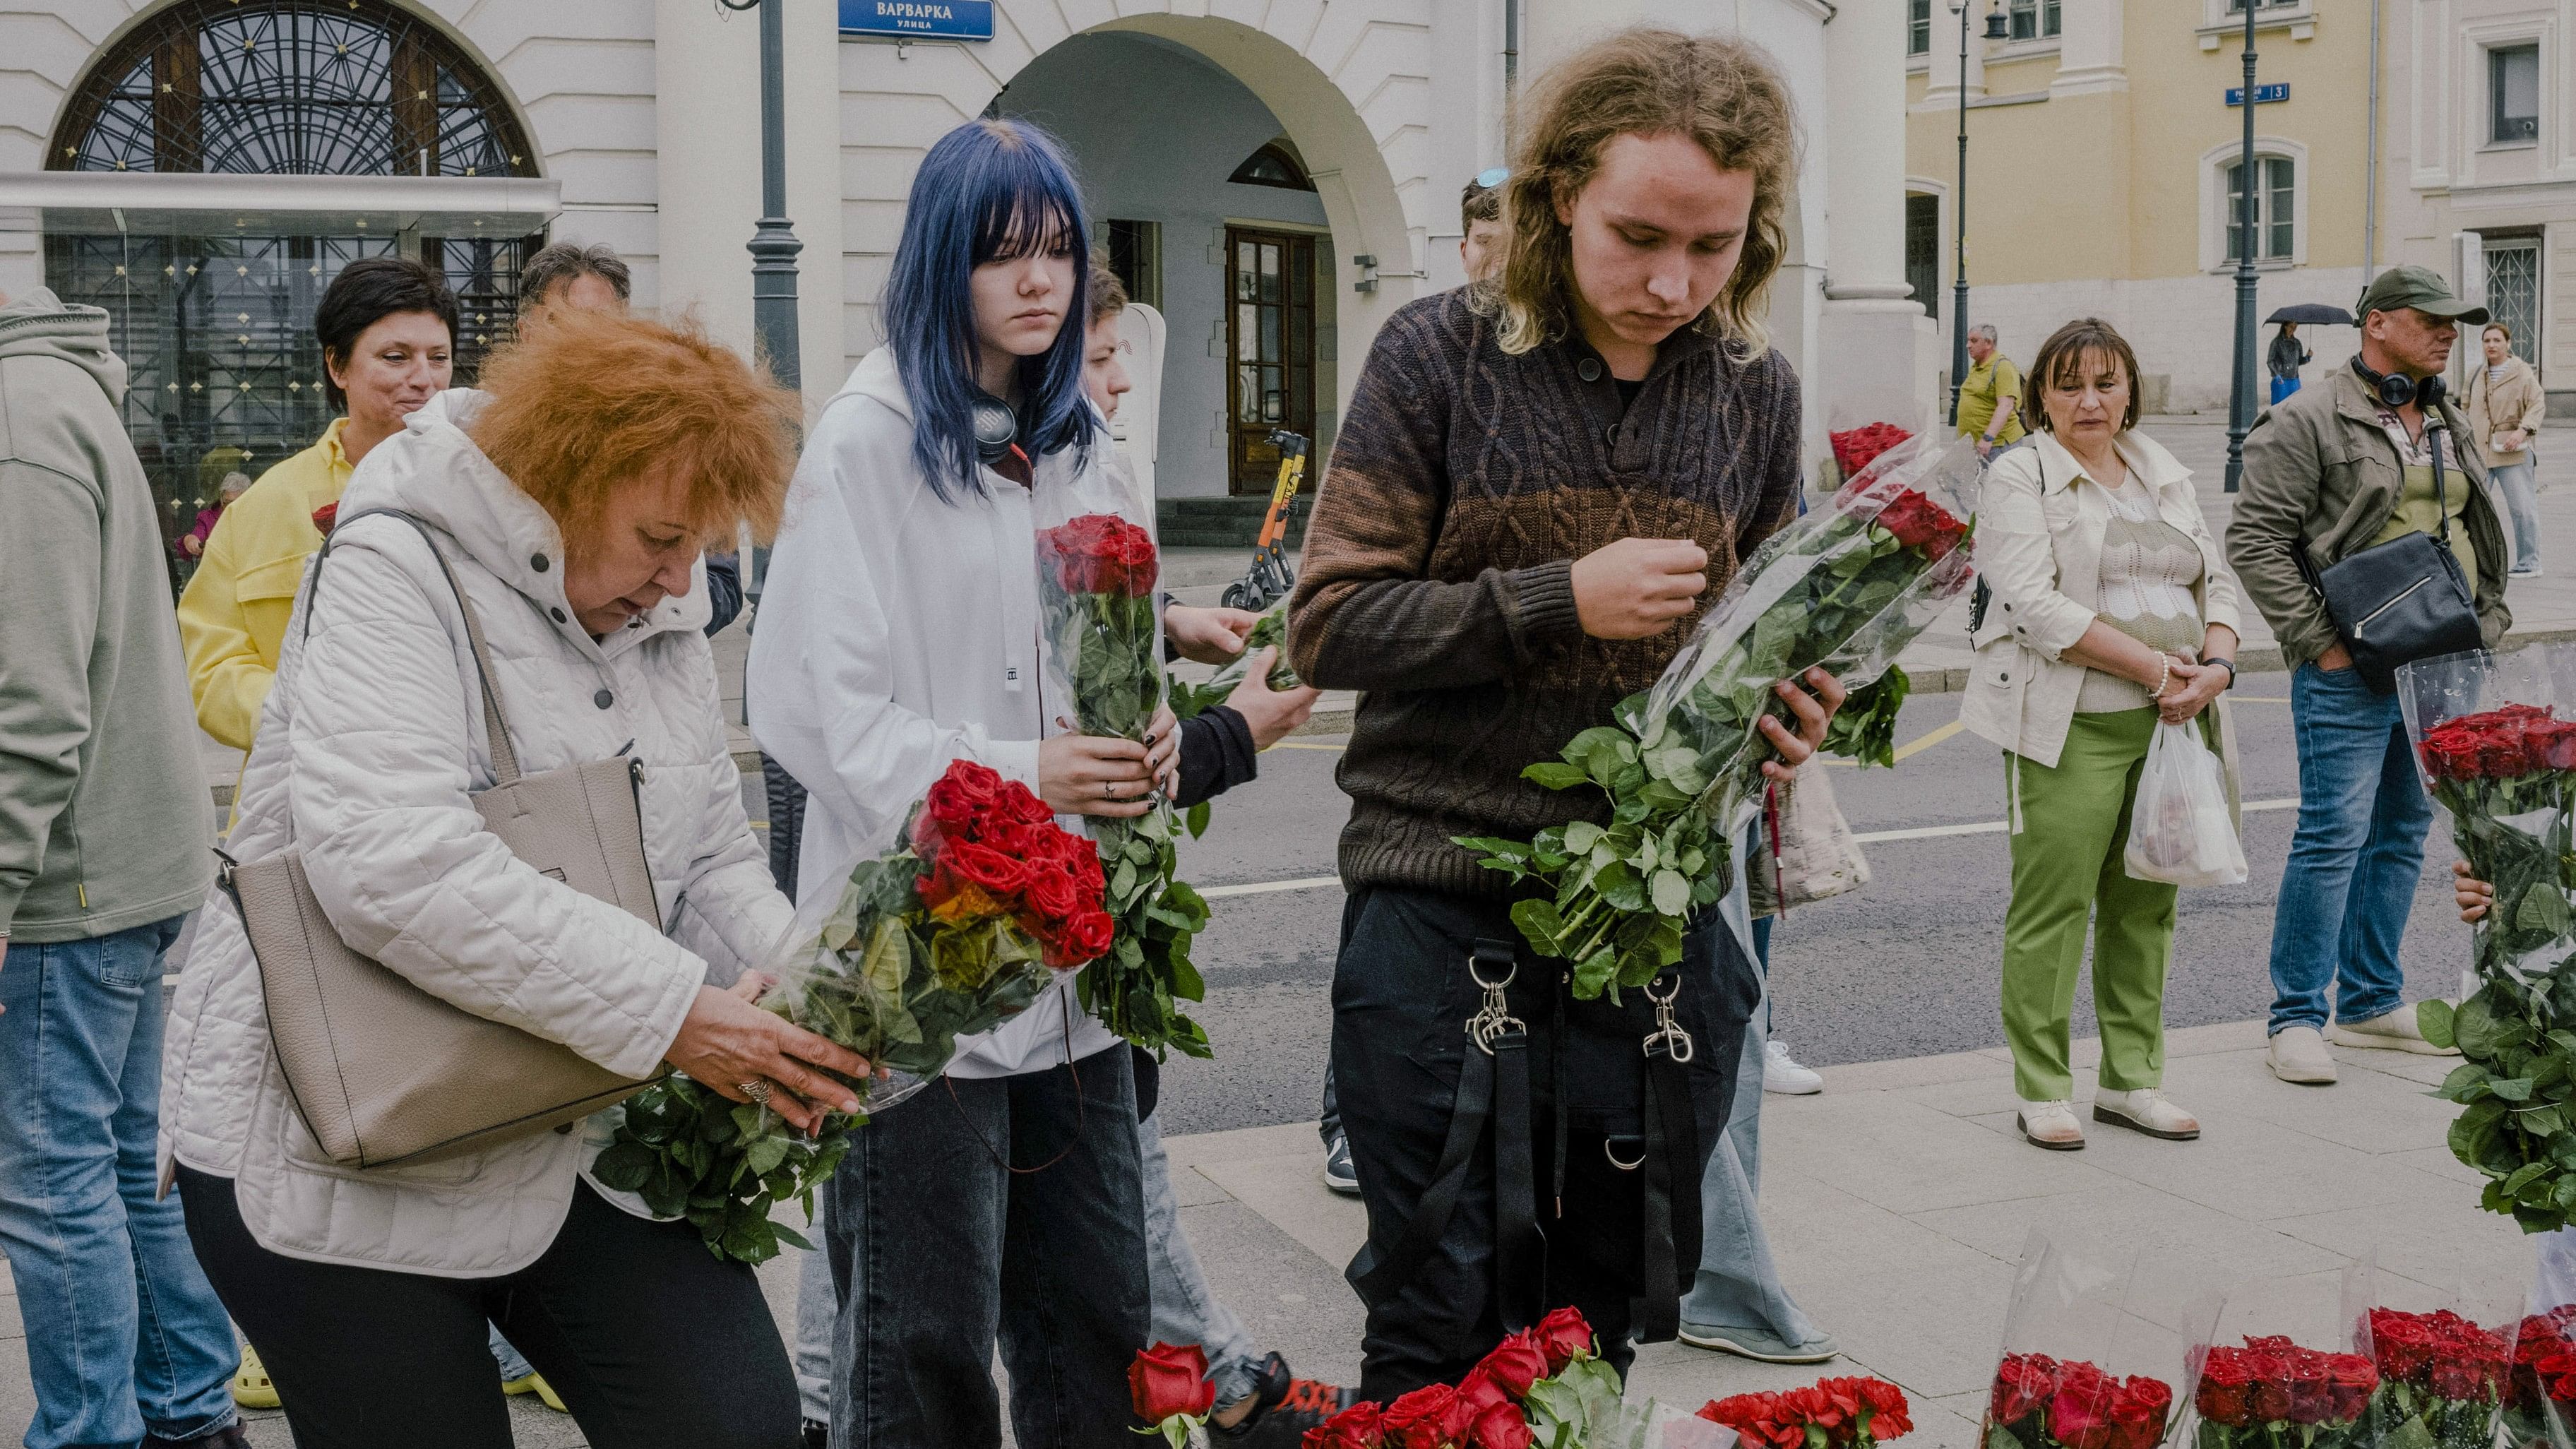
pixel 568 504
pixel 2112 608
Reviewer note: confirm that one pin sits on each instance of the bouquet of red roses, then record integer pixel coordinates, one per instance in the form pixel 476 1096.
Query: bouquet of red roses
pixel 2274 1394
pixel 2499 759
pixel 1844 589
pixel 1858 447
pixel 1096 575
pixel 2441 1379
pixel 2039 1402
pixel 2540 1393
pixel 954 931
pixel 1840 1413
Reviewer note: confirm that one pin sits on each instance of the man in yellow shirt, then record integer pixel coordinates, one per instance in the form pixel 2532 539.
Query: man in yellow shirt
pixel 387 327
pixel 1990 398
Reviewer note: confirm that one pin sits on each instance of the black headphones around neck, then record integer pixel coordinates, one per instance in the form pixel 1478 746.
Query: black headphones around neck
pixel 997 428
pixel 2396 389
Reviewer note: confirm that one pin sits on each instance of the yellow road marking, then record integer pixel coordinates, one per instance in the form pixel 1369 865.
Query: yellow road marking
pixel 1907 752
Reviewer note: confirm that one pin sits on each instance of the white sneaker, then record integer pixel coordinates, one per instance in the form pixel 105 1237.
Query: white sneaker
pixel 2298 1054
pixel 2390 1031
pixel 2051 1125
pixel 1782 1075
pixel 2532 572
pixel 2146 1110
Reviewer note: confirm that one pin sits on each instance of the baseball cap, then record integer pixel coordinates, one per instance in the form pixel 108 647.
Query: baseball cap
pixel 2420 288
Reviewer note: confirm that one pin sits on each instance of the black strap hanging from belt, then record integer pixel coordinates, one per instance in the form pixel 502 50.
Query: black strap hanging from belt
pixel 1493 1086
pixel 1670 1235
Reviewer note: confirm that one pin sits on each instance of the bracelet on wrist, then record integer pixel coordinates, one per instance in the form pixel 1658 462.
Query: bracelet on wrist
pixel 2164 675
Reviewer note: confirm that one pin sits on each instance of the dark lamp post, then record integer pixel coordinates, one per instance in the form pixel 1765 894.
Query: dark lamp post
pixel 2240 401
pixel 773 245
pixel 1997 28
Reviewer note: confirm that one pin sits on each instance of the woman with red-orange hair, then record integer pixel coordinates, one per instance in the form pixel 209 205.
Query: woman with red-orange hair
pixel 561 511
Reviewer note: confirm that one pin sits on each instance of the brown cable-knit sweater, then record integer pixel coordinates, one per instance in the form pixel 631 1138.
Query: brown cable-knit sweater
pixel 1464 484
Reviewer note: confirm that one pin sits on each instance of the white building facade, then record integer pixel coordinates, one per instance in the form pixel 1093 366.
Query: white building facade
pixel 1276 176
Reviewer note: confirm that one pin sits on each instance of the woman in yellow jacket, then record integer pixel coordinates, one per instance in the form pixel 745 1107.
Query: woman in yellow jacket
pixel 388 331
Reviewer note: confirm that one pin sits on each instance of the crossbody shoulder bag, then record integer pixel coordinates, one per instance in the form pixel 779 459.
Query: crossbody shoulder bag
pixel 2406 599
pixel 383 1072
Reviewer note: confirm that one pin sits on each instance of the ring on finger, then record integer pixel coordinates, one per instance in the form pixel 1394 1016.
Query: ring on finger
pixel 757 1089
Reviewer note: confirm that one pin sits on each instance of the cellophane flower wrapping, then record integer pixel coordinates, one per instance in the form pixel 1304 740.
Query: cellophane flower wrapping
pixel 954 930
pixel 2291 1371
pixel 1843 1412
pixel 2495 740
pixel 1103 659
pixel 2443 1378
pixel 1844 588
pixel 2540 1393
pixel 2084 1364
pixel 1191 700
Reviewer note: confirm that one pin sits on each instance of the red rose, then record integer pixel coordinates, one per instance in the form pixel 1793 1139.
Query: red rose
pixel 2023 1382
pixel 1889 1415
pixel 1501 1426
pixel 2225 1395
pixel 1021 803
pixel 1431 1417
pixel 2138 1414
pixel 1564 1337
pixel 1050 891
pixel 982 866
pixel 1516 1363
pixel 1763 1419
pixel 1356 1427
pixel 1478 1392
pixel 2350 1380
pixel 2079 1413
pixel 1085 935
pixel 1166 1380
pixel 1135 554
pixel 2551 744
pixel 326 515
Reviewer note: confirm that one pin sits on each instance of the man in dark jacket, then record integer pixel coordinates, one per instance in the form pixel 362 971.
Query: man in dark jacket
pixel 2329 473
pixel 104 824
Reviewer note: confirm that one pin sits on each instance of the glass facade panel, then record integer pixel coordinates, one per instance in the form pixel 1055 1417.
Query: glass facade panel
pixel 2513 94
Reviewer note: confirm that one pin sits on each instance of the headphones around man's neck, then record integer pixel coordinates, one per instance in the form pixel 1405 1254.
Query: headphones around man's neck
pixel 2396 389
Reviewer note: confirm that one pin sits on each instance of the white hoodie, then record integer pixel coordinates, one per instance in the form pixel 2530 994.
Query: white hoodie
pixel 897 633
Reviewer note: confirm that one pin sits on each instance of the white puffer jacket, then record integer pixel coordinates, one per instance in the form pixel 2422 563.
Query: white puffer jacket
pixel 367 750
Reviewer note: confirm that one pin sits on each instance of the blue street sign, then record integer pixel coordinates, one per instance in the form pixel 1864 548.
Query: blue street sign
pixel 2263 95
pixel 919 19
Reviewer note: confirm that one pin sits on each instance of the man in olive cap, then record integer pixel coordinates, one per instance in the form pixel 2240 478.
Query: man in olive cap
pixel 2333 470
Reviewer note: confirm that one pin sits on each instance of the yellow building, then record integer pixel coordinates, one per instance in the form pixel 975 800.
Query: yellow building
pixel 2103 152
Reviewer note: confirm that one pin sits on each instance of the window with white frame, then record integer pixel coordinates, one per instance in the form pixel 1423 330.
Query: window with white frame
pixel 1918 27
pixel 2237 7
pixel 2035 19
pixel 2513 94
pixel 2276 194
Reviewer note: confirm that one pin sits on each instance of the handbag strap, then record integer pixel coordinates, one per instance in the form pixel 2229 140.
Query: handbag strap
pixel 505 760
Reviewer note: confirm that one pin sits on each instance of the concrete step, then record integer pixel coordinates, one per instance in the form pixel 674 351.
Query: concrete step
pixel 1223 522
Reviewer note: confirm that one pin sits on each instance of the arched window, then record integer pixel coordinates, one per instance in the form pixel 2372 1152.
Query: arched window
pixel 213 311
pixel 1275 164
pixel 289 87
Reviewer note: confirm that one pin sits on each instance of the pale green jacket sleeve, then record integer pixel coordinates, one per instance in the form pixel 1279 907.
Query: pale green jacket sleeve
pixel 49 591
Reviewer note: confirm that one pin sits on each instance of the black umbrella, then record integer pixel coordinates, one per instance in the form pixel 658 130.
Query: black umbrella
pixel 2306 312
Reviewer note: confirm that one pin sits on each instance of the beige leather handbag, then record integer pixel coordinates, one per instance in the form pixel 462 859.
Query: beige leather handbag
pixel 384 1072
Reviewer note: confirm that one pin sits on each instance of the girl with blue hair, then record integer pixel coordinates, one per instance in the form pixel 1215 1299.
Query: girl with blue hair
pixel 899 632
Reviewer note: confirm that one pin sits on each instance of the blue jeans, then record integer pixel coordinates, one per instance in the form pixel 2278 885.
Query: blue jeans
pixel 2521 498
pixel 1738 1285
pixel 124 1334
pixel 1185 1310
pixel 2356 858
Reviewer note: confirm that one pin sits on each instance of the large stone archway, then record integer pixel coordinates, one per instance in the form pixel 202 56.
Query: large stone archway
pixel 1350 84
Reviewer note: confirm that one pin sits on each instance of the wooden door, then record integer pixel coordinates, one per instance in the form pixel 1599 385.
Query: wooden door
pixel 1270 347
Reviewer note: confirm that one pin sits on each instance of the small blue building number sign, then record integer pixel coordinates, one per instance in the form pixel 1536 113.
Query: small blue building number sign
pixel 919 19
pixel 2263 95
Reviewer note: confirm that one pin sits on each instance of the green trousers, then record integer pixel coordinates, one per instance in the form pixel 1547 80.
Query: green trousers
pixel 2070 825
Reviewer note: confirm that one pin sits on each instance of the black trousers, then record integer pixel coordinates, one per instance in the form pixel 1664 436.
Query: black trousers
pixel 651 1341
pixel 1402 996
pixel 944 1245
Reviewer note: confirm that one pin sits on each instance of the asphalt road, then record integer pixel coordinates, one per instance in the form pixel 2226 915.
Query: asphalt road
pixel 1906 966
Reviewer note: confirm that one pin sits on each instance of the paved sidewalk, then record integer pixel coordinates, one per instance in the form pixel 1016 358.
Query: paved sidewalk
pixel 1897 1203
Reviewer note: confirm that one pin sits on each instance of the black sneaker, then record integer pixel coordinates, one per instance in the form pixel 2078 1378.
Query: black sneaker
pixel 1284 1407
pixel 817 1435
pixel 1338 1174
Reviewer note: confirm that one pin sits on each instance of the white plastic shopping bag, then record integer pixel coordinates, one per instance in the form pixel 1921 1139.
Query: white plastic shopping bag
pixel 2179 829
